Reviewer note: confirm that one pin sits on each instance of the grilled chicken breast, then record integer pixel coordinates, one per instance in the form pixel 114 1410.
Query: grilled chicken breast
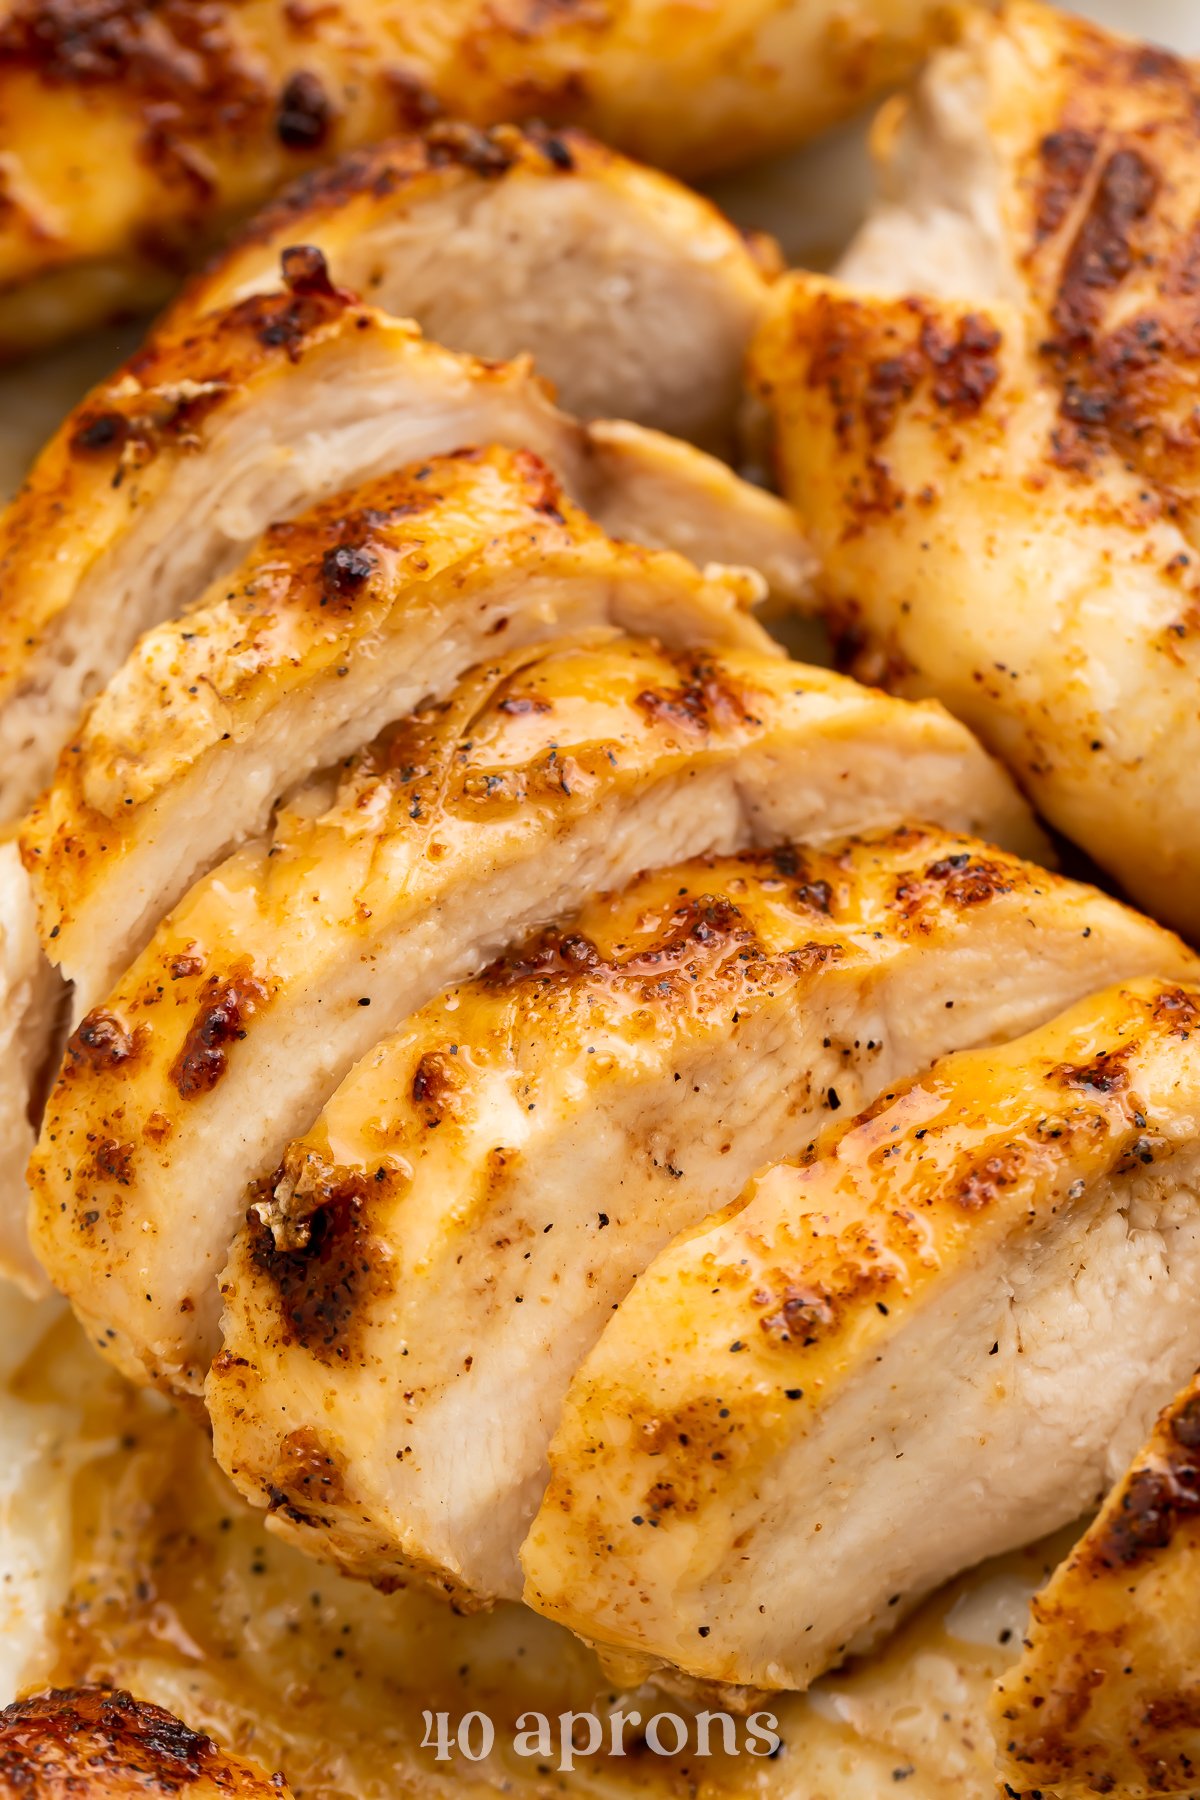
pixel 165 476
pixel 1104 1699
pixel 635 297
pixel 543 777
pixel 134 132
pixel 429 1264
pixel 935 1336
pixel 341 621
pixel 102 1743
pixel 996 450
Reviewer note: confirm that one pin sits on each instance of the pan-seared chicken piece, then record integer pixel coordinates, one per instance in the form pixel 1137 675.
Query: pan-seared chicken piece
pixel 634 296
pixel 341 621
pixel 544 777
pixel 1002 483
pixel 29 1006
pixel 1105 1698
pixel 429 1264
pixel 136 130
pixel 102 1744
pixel 165 476
pixel 937 1335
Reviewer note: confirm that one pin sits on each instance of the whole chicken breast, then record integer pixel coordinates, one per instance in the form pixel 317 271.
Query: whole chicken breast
pixel 427 1267
pixel 542 778
pixel 990 426
pixel 341 621
pixel 165 476
pixel 134 132
pixel 935 1336
pixel 1104 1698
pixel 634 295
pixel 103 1744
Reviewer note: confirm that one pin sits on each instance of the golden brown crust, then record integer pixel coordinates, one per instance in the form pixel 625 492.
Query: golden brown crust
pixel 1105 1698
pixel 744 1337
pixel 99 1742
pixel 194 114
pixel 1004 487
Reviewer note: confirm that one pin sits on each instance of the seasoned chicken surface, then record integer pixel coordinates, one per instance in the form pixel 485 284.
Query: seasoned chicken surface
pixel 165 476
pixel 543 777
pixel 1002 482
pixel 429 1264
pixel 634 296
pixel 29 1007
pixel 934 1336
pixel 135 130
pixel 103 1744
pixel 1104 1699
pixel 341 621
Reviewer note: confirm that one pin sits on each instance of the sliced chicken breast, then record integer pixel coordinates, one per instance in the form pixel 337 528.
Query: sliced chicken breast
pixel 427 1267
pixel 163 478
pixel 937 1335
pixel 1105 1697
pixel 29 1007
pixel 102 1743
pixel 545 776
pixel 1002 482
pixel 635 297
pixel 341 621
pixel 135 132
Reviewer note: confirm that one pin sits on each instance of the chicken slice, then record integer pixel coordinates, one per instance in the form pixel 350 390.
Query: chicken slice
pixel 29 1010
pixel 134 133
pixel 1002 482
pixel 937 1335
pixel 163 478
pixel 428 1266
pixel 636 297
pixel 341 621
pixel 1104 1698
pixel 102 1743
pixel 545 776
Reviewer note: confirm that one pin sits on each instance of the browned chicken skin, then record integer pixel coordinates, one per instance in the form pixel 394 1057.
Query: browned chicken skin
pixel 98 1743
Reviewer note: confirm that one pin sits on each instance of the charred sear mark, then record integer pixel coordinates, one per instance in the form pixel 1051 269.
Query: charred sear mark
pixel 1103 251
pixel 985 1184
pixel 178 68
pixel 102 1042
pixel 815 894
pixel 1104 1074
pixel 286 321
pixel 796 1315
pixel 705 700
pixel 1178 1010
pixel 307 1477
pixel 345 570
pixel 92 1740
pixel 325 1284
pixel 98 433
pixel 436 1081
pixel 1154 1503
pixel 305 113
pixel 111 1160
pixel 961 880
pixel 1066 159
pixel 227 1004
pixel 551 954
pixel 957 364
pixel 487 153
